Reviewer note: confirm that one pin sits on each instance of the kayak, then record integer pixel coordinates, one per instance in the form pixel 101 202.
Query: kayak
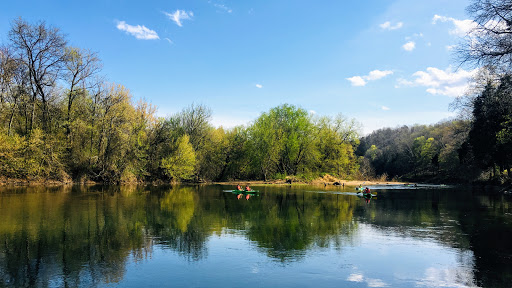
pixel 359 188
pixel 245 192
pixel 366 195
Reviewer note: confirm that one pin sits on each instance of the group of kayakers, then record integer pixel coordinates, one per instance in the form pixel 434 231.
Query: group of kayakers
pixel 247 189
pixel 239 188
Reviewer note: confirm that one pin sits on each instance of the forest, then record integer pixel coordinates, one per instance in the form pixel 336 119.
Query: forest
pixel 61 120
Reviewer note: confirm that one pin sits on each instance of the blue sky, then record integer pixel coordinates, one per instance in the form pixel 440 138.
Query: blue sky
pixel 384 63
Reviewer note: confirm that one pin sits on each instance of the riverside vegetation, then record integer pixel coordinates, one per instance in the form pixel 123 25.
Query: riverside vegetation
pixel 60 120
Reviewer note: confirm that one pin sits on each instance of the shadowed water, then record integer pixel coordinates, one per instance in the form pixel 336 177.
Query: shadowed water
pixel 298 236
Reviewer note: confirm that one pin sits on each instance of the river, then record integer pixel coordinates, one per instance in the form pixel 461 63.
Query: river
pixel 283 236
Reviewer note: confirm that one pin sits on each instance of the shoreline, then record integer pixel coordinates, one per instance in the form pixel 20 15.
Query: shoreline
pixel 319 181
pixel 314 182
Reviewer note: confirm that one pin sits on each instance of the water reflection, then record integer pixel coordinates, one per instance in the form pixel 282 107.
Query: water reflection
pixel 90 236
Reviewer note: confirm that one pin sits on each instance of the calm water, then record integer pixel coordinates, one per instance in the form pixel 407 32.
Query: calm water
pixel 300 236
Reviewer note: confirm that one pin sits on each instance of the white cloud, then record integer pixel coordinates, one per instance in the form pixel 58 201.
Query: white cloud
pixel 462 27
pixel 259 86
pixel 355 277
pixel 312 112
pixel 357 81
pixel 222 8
pixel 449 277
pixel 140 32
pixel 441 82
pixel 403 82
pixel 377 74
pixel 373 75
pixel 409 46
pixel 169 40
pixel 359 277
pixel 376 283
pixel 450 47
pixel 387 25
pixel 179 15
pixel 385 108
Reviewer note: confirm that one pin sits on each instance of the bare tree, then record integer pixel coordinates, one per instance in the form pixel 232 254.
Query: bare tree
pixel 80 67
pixel 41 49
pixel 490 42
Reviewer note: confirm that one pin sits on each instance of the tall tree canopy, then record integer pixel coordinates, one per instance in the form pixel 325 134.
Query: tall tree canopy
pixel 490 41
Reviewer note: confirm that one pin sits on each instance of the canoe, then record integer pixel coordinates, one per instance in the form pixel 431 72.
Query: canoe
pixel 366 195
pixel 245 192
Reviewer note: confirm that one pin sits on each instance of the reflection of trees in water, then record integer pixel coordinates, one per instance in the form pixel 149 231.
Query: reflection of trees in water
pixel 474 225
pixel 175 223
pixel 489 230
pixel 66 236
pixel 85 236
pixel 286 225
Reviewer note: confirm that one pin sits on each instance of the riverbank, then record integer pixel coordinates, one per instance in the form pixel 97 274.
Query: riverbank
pixel 325 180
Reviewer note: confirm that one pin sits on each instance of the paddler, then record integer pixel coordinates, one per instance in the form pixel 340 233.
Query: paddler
pixel 238 187
pixel 368 194
pixel 247 188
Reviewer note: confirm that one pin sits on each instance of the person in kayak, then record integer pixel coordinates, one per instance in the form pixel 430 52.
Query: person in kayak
pixel 238 187
pixel 247 188
pixel 367 195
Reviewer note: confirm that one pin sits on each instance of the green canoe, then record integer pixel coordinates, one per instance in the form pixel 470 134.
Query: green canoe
pixel 245 192
pixel 366 195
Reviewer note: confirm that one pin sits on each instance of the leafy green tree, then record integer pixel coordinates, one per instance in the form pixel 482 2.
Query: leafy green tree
pixel 424 151
pixel 215 154
pixel 488 136
pixel 180 165
pixel 337 139
pixel 194 122
pixel 282 140
pixel 264 146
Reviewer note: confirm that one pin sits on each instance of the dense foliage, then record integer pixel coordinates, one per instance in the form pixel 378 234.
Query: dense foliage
pixel 60 120
pixel 419 152
pixel 480 145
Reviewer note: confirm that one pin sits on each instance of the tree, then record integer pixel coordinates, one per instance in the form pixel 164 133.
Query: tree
pixel 40 49
pixel 488 136
pixel 194 122
pixel 12 85
pixel 490 41
pixel 180 165
pixel 282 141
pixel 338 138
pixel 80 67
pixel 424 152
pixel 264 146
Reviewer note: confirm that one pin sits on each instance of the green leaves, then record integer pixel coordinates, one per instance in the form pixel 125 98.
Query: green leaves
pixel 180 165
